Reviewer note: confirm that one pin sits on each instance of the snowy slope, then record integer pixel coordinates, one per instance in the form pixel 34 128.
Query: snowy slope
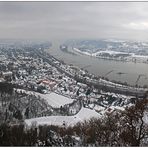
pixel 56 100
pixel 109 52
pixel 53 99
pixel 83 114
pixel 129 56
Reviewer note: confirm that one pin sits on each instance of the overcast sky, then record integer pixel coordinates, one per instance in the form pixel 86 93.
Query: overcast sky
pixel 67 20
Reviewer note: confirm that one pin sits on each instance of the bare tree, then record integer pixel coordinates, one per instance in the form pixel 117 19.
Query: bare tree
pixel 135 129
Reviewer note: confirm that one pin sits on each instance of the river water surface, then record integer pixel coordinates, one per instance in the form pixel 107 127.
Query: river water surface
pixel 100 67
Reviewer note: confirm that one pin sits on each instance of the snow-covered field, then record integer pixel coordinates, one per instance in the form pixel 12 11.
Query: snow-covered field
pixel 56 100
pixel 79 51
pixel 109 52
pixel 53 99
pixel 139 58
pixel 83 114
pixel 99 52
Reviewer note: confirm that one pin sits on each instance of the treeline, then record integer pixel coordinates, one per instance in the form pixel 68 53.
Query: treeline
pixel 125 128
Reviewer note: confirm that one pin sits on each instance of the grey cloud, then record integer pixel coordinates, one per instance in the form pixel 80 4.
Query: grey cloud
pixel 49 20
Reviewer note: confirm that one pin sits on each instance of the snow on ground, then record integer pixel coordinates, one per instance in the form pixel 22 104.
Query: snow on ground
pixel 99 52
pixel 139 56
pixel 145 118
pixel 79 51
pixel 56 100
pixel 83 114
pixel 99 108
pixel 117 107
pixel 53 99
pixel 109 52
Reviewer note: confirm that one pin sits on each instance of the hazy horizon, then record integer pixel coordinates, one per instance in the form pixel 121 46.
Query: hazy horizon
pixel 74 20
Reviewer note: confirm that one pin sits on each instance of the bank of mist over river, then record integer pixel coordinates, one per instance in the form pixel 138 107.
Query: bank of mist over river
pixel 100 67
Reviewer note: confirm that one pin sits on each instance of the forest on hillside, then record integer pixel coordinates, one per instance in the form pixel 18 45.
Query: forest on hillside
pixel 124 128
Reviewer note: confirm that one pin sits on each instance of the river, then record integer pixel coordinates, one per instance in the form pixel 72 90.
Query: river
pixel 100 67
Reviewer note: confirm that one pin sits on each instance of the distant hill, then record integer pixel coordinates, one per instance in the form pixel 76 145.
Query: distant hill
pixel 92 46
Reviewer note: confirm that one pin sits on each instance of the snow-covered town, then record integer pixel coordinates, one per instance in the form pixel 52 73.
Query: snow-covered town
pixel 42 90
pixel 73 74
pixel 52 82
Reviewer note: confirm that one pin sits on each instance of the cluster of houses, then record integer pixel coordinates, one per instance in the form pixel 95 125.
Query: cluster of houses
pixel 34 73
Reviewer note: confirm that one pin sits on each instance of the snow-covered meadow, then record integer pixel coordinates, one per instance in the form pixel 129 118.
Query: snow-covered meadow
pixel 83 114
pixel 53 99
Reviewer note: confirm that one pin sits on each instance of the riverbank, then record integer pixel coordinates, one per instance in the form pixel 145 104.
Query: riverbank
pixel 100 67
pixel 115 56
